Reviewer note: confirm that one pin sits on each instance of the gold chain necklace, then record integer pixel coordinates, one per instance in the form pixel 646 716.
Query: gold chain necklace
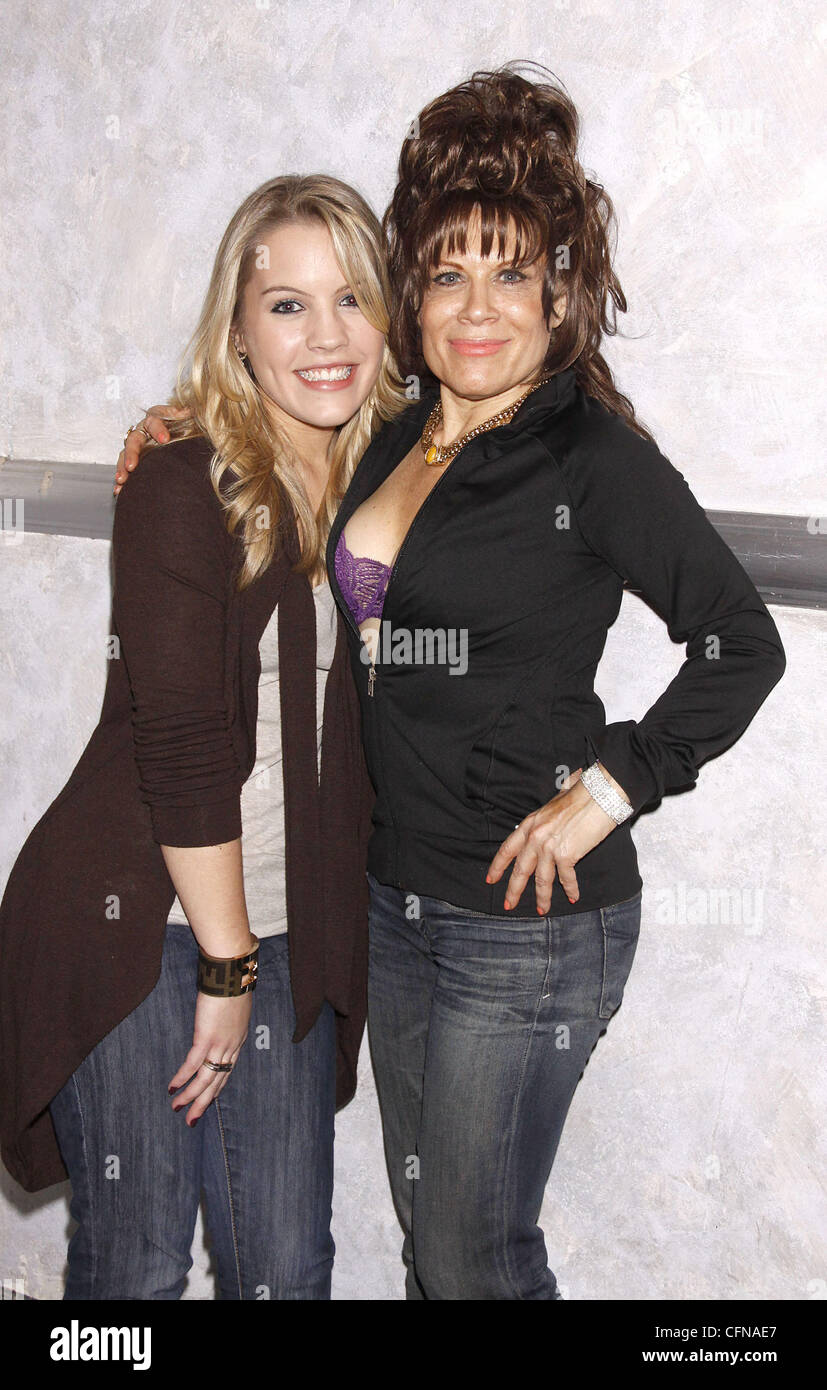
pixel 437 455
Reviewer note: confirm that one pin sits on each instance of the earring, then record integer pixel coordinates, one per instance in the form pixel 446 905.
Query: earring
pixel 242 356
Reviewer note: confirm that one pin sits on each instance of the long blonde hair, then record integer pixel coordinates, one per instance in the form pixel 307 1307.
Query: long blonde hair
pixel 253 469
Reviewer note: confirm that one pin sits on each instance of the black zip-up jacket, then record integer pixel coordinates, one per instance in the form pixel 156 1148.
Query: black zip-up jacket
pixel 525 542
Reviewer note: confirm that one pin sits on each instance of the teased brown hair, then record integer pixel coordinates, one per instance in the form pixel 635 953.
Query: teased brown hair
pixel 507 146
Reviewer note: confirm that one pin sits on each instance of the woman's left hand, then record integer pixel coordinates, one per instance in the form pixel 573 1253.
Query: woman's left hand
pixel 550 841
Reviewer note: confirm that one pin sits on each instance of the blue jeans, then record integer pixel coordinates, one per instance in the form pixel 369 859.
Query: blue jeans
pixel 262 1151
pixel 480 1028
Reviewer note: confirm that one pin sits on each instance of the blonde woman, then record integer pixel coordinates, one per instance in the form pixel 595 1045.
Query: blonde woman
pixel 202 990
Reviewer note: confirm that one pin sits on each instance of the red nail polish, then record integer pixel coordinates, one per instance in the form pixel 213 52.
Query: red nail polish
pixel 194 1122
pixel 176 1108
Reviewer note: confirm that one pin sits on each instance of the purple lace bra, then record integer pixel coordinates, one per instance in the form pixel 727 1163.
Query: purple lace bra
pixel 363 581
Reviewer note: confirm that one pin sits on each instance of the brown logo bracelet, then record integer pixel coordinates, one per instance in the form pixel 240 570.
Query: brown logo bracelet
pixel 226 977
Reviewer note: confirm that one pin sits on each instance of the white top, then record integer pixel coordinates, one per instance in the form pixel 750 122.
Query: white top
pixel 262 796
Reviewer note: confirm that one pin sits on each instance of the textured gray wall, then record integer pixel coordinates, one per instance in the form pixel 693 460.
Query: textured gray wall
pixel 690 1163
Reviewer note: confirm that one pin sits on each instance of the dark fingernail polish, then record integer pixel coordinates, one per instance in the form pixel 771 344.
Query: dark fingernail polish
pixel 193 1123
pixel 171 1090
pixel 176 1108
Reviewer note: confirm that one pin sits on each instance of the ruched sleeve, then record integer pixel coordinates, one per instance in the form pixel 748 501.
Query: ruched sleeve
pixel 636 510
pixel 172 558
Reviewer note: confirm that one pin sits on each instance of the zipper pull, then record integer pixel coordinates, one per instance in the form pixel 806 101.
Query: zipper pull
pixel 371 678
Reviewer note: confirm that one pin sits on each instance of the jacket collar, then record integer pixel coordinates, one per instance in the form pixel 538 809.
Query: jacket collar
pixel 552 396
pixel 395 440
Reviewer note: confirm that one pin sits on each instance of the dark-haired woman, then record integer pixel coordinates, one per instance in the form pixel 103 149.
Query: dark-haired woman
pixel 501 514
pixel 479 557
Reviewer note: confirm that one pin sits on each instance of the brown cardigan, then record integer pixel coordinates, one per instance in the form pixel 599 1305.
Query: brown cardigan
pixel 165 765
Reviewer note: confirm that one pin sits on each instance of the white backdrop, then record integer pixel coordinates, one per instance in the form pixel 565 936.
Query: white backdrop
pixel 132 129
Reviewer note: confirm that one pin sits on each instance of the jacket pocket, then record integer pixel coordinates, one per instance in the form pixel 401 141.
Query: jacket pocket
pixel 511 765
pixel 477 771
pixel 621 929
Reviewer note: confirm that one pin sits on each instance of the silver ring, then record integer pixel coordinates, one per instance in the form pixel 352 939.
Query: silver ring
pixel 218 1066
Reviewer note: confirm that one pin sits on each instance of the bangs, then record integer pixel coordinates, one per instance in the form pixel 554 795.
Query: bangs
pixel 356 246
pixel 446 222
pixel 359 262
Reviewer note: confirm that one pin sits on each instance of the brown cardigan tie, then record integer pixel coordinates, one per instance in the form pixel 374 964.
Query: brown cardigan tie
pixel 326 812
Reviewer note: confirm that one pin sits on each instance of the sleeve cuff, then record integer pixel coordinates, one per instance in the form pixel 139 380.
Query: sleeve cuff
pixel 615 749
pixel 190 827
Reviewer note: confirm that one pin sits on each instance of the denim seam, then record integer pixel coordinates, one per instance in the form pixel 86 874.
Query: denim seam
pixel 605 921
pixel 601 1004
pixel 229 1194
pixel 510 1273
pixel 545 990
pixel 93 1214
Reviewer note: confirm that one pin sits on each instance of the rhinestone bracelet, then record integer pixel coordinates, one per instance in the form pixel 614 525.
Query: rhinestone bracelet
pixel 605 795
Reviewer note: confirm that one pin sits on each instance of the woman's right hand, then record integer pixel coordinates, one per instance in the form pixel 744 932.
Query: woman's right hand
pixel 221 1027
pixel 137 441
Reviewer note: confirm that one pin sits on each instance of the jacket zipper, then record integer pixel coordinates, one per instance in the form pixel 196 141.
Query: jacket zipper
pixel 351 619
pixel 372 669
pixel 371 679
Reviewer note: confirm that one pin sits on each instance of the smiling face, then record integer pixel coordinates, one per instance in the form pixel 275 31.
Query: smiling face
pixel 484 333
pixel 314 355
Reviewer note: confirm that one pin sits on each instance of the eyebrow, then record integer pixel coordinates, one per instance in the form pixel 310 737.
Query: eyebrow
pixel 291 289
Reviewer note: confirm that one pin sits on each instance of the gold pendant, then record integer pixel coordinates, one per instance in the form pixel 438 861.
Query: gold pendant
pixel 432 454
